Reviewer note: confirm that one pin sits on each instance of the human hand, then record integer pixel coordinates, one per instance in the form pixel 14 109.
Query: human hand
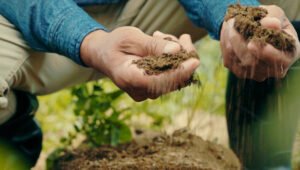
pixel 252 60
pixel 113 54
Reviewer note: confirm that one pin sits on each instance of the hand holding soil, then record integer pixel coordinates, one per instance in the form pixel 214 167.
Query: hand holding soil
pixel 258 42
pixel 113 54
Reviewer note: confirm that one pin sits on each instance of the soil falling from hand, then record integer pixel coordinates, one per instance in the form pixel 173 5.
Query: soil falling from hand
pixel 157 64
pixel 150 150
pixel 247 23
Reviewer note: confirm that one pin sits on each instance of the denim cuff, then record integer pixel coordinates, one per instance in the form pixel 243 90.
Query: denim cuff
pixel 210 13
pixel 215 24
pixel 69 30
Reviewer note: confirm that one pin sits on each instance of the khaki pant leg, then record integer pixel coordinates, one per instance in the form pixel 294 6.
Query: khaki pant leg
pixel 35 72
pixel 167 16
pixel 12 56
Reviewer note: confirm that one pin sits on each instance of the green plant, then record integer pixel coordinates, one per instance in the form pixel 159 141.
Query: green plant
pixel 98 119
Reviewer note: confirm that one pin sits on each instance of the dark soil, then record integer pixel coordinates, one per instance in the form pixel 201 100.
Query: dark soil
pixel 154 65
pixel 247 23
pixel 182 150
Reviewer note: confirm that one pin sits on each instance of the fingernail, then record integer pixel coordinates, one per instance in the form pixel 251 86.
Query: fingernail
pixel 171 47
pixel 158 32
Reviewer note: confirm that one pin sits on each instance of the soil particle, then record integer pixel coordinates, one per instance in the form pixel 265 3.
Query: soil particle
pixel 247 23
pixel 181 150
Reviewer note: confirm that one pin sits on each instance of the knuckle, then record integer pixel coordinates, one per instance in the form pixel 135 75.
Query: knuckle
pixel 185 36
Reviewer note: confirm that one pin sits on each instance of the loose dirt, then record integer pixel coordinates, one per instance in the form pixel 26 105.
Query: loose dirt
pixel 157 64
pixel 247 23
pixel 181 150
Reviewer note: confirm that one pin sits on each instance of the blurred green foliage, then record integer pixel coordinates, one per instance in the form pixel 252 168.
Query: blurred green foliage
pixel 56 117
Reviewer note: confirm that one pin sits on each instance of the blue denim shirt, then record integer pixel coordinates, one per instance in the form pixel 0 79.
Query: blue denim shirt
pixel 59 26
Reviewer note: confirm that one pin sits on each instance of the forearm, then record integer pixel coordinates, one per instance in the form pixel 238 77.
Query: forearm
pixel 50 25
pixel 210 13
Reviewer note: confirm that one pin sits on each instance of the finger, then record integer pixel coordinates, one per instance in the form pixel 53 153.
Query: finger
pixel 228 55
pixel 269 54
pixel 279 71
pixel 186 41
pixel 274 11
pixel 153 96
pixel 158 34
pixel 272 55
pixel 271 22
pixel 267 68
pixel 240 49
pixel 226 47
pixel 291 31
pixel 238 70
pixel 141 44
pixel 137 98
pixel 172 80
pixel 186 72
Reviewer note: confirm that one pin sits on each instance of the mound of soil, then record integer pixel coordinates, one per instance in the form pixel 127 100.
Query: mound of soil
pixel 247 23
pixel 181 150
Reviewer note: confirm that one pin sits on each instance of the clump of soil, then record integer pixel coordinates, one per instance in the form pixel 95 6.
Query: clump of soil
pixel 181 150
pixel 247 23
pixel 154 65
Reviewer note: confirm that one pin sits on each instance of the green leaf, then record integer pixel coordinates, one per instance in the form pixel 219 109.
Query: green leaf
pixel 63 140
pixel 98 88
pixel 114 95
pixel 115 135
pixel 125 133
pixel 76 128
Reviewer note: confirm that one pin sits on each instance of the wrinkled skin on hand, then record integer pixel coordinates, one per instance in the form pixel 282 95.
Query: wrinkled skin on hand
pixel 253 61
pixel 113 54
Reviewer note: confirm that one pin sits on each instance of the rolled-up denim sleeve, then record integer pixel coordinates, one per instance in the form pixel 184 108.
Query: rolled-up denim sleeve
pixel 57 26
pixel 210 13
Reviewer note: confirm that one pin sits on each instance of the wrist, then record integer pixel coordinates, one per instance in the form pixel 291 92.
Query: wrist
pixel 89 45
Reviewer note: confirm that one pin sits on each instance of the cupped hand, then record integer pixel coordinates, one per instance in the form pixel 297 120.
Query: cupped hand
pixel 113 54
pixel 252 60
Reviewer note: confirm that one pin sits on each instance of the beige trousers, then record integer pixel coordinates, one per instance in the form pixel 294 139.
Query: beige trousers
pixel 43 73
